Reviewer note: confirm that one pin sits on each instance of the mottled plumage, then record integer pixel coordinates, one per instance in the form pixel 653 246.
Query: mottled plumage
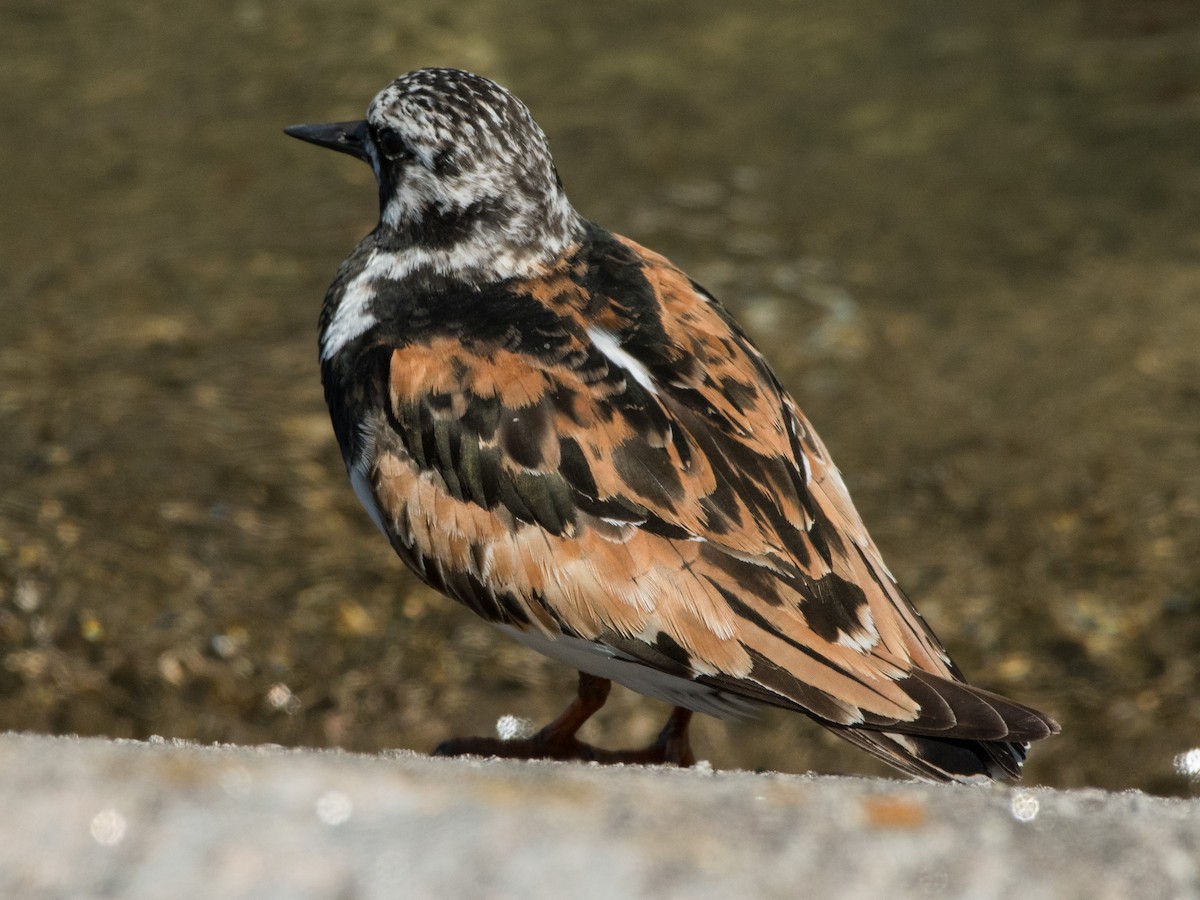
pixel 559 429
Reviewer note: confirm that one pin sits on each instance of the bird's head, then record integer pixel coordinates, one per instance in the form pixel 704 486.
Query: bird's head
pixel 465 174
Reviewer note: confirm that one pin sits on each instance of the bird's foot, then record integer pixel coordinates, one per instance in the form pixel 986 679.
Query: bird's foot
pixel 558 741
pixel 671 747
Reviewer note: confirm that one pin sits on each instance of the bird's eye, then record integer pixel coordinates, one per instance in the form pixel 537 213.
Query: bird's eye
pixel 391 144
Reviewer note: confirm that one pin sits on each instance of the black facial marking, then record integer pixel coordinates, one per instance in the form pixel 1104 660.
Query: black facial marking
pixel 444 163
pixel 391 144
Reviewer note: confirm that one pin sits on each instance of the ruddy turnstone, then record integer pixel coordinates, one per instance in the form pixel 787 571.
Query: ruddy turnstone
pixel 556 427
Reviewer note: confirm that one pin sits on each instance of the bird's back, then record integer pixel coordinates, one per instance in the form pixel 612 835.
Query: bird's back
pixel 598 459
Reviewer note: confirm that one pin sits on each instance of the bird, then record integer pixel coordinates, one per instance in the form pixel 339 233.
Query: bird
pixel 561 430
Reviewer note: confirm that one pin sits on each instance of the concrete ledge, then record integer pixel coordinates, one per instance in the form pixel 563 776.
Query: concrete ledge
pixel 97 818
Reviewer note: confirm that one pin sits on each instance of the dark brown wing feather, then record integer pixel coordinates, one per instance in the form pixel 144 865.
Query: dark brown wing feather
pixel 542 483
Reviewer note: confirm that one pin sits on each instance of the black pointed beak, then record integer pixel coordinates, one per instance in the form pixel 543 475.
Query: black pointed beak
pixel 345 137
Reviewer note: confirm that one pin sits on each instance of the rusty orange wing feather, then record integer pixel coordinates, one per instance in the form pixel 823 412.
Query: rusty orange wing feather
pixel 631 474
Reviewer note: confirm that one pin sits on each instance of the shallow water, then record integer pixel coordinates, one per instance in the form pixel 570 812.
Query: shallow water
pixel 967 237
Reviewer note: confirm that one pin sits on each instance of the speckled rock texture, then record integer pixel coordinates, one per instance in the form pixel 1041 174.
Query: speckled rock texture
pixel 96 818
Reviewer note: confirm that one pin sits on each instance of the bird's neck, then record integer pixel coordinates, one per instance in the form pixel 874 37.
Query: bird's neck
pixel 492 238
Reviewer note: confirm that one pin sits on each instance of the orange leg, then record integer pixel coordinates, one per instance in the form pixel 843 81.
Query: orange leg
pixel 557 740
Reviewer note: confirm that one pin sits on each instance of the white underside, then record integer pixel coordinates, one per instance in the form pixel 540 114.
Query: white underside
pixel 361 482
pixel 604 662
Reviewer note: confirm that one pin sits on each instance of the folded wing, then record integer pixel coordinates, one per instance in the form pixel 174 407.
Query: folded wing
pixel 634 476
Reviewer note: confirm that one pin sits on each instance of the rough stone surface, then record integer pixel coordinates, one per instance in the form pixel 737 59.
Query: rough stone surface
pixel 96 818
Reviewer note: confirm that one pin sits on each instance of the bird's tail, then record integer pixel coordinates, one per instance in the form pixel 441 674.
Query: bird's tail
pixel 939 758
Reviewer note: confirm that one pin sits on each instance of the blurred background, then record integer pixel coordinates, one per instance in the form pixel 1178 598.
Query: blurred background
pixel 967 236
